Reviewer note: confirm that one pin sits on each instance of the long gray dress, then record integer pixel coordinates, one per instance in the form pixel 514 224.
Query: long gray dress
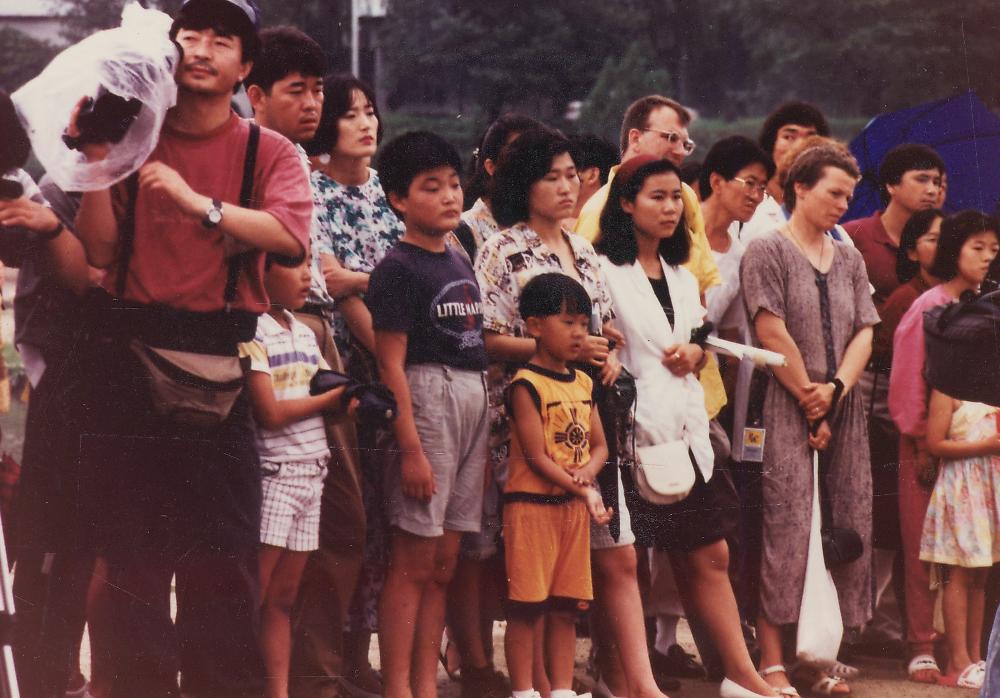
pixel 776 277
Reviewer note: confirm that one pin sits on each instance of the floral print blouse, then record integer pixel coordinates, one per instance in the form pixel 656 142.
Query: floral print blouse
pixel 357 226
pixel 481 222
pixel 504 264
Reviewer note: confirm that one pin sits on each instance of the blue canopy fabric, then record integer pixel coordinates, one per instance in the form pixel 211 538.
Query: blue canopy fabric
pixel 963 131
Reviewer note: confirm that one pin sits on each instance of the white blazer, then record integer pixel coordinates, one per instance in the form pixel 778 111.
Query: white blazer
pixel 668 408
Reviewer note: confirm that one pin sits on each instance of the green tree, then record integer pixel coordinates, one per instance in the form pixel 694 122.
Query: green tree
pixel 499 54
pixel 21 57
pixel 620 82
pixel 324 20
pixel 867 56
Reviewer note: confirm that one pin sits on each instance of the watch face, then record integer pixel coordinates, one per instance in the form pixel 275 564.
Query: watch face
pixel 214 216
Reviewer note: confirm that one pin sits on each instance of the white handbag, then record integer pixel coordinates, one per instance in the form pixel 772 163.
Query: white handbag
pixel 821 627
pixel 664 473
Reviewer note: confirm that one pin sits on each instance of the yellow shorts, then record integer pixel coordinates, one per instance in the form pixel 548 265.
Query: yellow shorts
pixel 547 549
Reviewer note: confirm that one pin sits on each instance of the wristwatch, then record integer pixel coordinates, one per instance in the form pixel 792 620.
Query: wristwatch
pixel 213 216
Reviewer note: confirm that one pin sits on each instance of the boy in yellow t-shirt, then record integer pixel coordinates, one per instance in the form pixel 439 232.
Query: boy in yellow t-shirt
pixel 557 449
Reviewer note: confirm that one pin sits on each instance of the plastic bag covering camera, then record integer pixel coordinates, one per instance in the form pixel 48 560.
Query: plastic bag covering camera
pixel 134 61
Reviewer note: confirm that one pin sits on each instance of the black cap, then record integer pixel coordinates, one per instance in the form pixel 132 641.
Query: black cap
pixel 248 7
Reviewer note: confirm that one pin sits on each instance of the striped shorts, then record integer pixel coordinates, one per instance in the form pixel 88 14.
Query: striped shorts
pixel 290 508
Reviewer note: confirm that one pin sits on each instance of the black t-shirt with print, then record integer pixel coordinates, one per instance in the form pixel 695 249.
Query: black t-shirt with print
pixel 434 298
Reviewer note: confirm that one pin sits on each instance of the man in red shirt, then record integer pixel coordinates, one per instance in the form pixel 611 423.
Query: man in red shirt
pixel 170 499
pixel 910 178
pixel 910 181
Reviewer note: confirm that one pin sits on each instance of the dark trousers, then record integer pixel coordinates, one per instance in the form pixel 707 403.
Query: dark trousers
pixel 50 591
pixel 173 501
pixel 328 585
pixel 53 545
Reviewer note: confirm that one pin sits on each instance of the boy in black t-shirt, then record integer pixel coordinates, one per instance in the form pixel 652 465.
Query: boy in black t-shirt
pixel 427 315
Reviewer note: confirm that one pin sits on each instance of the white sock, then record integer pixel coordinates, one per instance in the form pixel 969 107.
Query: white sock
pixel 523 694
pixel 666 633
pixel 561 693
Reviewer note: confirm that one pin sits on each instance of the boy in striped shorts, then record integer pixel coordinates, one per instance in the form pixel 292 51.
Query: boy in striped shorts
pixel 293 449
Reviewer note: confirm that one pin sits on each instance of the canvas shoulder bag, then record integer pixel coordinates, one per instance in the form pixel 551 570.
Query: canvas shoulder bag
pixel 663 473
pixel 192 389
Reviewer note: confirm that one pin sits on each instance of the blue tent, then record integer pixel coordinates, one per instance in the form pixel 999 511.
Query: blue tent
pixel 962 129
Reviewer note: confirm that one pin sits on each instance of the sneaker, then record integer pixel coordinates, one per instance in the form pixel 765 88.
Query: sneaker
pixel 677 663
pixel 484 682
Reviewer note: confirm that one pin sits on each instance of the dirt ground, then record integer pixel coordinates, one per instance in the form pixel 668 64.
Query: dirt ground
pixel 880 678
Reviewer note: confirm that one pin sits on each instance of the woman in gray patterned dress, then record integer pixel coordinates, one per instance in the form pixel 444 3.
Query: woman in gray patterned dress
pixel 809 299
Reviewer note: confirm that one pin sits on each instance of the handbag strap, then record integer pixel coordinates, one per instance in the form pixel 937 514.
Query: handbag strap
pixel 235 262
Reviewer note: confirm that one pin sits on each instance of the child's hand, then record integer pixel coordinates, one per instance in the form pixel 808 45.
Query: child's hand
pixel 584 476
pixel 416 475
pixel 351 412
pixel 595 505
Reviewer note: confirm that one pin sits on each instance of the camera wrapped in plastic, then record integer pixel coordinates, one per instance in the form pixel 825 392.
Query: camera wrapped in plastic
pixel 127 74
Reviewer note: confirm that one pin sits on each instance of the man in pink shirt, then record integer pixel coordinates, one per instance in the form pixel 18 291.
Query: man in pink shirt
pixel 186 270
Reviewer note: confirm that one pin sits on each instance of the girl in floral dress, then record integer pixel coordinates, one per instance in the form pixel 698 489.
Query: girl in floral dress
pixel 962 524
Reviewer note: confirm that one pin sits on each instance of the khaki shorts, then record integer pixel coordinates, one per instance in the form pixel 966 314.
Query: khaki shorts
pixel 450 412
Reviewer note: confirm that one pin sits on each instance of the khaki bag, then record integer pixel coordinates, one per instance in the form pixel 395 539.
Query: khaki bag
pixel 194 390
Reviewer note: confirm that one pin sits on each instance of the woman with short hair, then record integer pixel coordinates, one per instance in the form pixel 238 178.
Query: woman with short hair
pixel 808 298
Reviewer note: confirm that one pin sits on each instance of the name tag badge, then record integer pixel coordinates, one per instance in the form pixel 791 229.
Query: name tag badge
pixel 753 445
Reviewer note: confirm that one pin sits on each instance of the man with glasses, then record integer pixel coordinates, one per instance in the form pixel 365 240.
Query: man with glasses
pixel 658 126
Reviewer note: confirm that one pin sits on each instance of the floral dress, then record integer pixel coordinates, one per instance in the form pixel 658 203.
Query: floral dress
pixel 963 519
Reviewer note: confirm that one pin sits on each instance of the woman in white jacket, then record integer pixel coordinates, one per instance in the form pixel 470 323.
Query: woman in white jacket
pixel 644 242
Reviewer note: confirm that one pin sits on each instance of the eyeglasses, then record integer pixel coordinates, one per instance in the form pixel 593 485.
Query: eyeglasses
pixel 752 186
pixel 673 138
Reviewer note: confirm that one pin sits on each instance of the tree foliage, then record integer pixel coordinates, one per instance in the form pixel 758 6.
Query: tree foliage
pixel 620 81
pixel 21 58
pixel 324 20
pixel 499 53
pixel 725 58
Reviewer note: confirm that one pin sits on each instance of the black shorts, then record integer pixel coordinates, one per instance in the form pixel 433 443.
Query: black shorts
pixel 692 523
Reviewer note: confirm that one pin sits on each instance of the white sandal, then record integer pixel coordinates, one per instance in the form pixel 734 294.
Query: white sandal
pixel 972 676
pixel 843 671
pixel 779 669
pixel 922 662
pixel 826 685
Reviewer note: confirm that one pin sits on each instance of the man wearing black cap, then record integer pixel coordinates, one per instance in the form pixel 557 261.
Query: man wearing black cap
pixel 174 501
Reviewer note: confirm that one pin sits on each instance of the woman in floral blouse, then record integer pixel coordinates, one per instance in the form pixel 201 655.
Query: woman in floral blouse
pixel 535 187
pixel 354 229
pixel 355 224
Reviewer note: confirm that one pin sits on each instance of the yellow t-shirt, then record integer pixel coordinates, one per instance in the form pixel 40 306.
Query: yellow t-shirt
pixel 700 263
pixel 564 402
